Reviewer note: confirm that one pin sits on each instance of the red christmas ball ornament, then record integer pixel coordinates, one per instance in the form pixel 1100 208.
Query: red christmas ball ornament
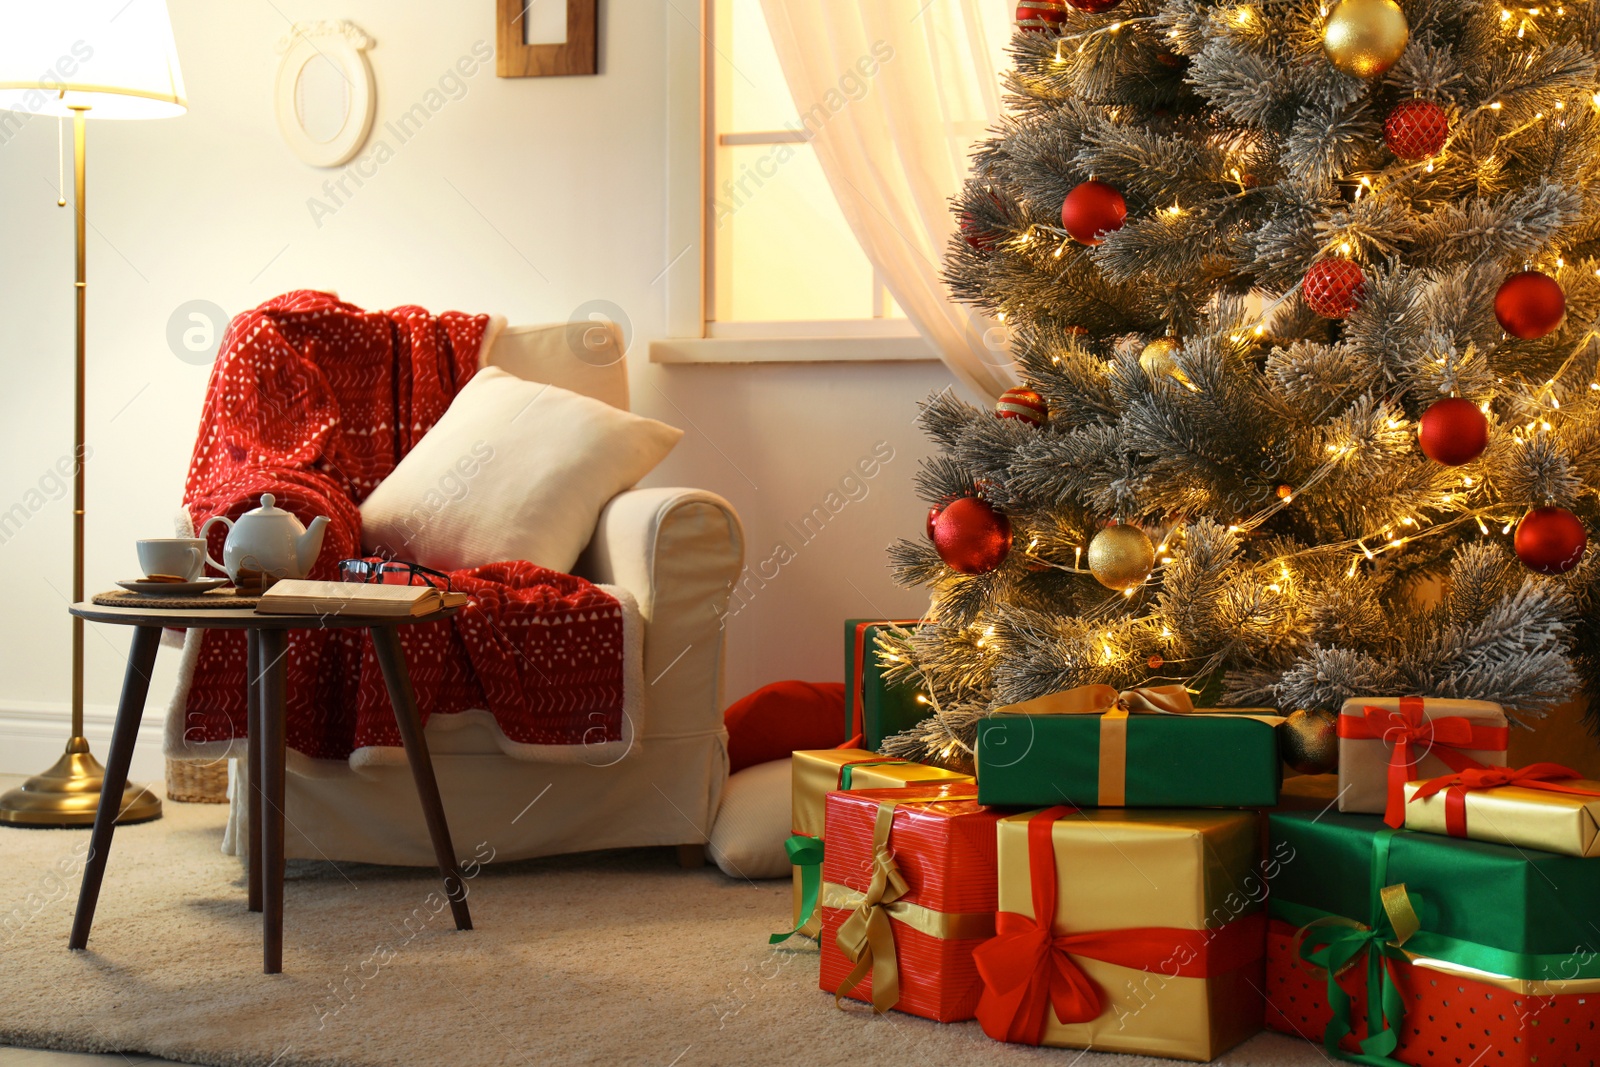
pixel 975 234
pixel 933 517
pixel 1416 129
pixel 1091 210
pixel 971 536
pixel 1036 16
pixel 1453 431
pixel 1550 540
pixel 1333 287
pixel 1529 304
pixel 1023 404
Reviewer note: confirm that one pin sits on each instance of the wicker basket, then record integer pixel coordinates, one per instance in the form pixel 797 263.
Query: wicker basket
pixel 197 781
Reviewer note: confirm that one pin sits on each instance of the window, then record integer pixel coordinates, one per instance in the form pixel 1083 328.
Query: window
pixel 779 248
pixel 780 267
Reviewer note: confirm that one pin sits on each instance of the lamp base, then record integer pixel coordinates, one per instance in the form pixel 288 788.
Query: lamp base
pixel 68 794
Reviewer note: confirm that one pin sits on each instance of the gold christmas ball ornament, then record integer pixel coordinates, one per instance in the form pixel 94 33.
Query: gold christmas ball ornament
pixel 1308 741
pixel 1365 37
pixel 1121 557
pixel 1156 359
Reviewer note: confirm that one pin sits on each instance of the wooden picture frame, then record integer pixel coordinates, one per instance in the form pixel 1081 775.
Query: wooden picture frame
pixel 514 58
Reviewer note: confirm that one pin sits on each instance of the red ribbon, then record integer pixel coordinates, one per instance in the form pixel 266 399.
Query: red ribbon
pixel 1405 730
pixel 1456 786
pixel 1027 970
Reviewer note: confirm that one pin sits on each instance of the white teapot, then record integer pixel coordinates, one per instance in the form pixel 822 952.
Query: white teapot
pixel 269 542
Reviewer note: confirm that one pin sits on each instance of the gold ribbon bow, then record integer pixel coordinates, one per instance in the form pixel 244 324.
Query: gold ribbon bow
pixel 1113 708
pixel 866 938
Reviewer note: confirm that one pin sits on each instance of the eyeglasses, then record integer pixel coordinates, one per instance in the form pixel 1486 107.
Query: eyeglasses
pixel 392 572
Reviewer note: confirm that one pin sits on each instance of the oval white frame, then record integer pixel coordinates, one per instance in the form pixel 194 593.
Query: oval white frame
pixel 344 44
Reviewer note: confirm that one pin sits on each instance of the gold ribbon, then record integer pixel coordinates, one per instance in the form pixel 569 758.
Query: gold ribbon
pixel 866 938
pixel 945 925
pixel 1113 708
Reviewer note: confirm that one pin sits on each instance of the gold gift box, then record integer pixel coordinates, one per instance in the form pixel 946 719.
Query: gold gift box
pixel 817 772
pixel 1518 815
pixel 1364 762
pixel 1140 867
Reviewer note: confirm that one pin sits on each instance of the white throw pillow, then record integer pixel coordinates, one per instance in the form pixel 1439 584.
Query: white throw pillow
pixel 514 470
pixel 753 823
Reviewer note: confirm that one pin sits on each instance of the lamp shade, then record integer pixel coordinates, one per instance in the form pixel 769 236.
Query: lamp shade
pixel 115 57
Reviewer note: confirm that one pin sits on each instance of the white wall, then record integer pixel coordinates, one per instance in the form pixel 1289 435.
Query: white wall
pixel 526 197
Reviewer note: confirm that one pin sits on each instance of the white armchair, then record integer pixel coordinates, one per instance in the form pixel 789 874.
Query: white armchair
pixel 679 552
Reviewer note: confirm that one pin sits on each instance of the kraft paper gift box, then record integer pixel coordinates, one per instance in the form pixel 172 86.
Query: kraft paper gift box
pixel 1131 931
pixel 873 707
pixel 815 774
pixel 1095 747
pixel 1439 949
pixel 908 894
pixel 1543 806
pixel 1385 742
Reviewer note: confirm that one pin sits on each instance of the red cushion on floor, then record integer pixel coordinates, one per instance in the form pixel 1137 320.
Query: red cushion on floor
pixel 780 718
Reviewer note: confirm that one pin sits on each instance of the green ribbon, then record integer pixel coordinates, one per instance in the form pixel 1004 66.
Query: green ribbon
pixel 805 853
pixel 847 772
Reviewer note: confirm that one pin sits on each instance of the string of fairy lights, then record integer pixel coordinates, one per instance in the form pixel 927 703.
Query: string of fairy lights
pixel 1276 574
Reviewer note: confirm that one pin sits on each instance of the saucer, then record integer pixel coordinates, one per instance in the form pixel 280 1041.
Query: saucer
pixel 200 585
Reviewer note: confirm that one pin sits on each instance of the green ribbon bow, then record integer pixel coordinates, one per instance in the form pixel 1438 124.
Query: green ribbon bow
pixel 1334 944
pixel 805 853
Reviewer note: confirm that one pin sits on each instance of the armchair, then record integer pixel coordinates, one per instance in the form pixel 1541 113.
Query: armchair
pixel 678 552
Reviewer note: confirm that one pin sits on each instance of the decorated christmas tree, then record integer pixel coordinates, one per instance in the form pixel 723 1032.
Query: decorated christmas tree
pixel 1304 298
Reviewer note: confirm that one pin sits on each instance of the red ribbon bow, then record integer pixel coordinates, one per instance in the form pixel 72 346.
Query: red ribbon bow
pixel 1027 970
pixel 1456 787
pixel 1407 729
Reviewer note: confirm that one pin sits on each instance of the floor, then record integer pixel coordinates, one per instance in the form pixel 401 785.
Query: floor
pixel 31 1057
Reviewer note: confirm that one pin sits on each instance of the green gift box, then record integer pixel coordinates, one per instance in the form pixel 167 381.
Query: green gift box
pixel 873 708
pixel 1084 747
pixel 1493 908
pixel 1402 947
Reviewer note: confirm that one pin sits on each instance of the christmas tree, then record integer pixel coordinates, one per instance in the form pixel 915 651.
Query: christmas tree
pixel 1304 298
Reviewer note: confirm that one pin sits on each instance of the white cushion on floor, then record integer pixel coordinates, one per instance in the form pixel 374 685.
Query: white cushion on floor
pixel 753 823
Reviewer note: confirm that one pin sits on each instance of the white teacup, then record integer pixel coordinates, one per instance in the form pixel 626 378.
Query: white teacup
pixel 182 557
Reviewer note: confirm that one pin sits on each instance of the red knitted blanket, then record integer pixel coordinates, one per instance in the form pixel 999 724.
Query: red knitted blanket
pixel 316 401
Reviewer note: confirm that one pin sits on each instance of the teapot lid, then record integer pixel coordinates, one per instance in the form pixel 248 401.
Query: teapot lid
pixel 268 507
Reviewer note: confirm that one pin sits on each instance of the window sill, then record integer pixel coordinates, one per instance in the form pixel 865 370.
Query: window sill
pixel 793 350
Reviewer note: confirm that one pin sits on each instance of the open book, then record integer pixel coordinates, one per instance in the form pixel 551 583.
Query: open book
pixel 294 596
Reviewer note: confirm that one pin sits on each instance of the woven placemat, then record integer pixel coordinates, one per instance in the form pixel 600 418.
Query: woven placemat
pixel 224 597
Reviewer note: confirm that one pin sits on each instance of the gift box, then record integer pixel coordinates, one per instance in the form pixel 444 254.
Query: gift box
pixel 1545 806
pixel 1095 747
pixel 874 708
pixel 1425 949
pixel 908 894
pixel 1385 742
pixel 1126 931
pixel 815 774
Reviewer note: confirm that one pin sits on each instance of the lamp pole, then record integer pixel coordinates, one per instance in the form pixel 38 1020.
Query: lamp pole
pixel 68 794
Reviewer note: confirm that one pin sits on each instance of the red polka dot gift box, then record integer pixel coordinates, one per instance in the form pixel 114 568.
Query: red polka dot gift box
pixel 1389 946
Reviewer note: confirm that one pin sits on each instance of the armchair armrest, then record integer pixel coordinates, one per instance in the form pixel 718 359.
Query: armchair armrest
pixel 679 552
pixel 673 549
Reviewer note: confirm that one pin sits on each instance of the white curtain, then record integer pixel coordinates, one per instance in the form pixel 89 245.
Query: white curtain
pixel 897 154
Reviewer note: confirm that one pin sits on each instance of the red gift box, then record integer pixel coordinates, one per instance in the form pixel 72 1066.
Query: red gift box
pixel 1449 1018
pixel 909 878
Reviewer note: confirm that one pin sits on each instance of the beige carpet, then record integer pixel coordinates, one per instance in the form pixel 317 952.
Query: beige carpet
pixel 604 958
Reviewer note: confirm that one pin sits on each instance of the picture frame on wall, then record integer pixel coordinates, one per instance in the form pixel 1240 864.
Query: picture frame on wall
pixel 531 40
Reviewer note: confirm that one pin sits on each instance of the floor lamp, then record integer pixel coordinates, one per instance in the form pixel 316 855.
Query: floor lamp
pixel 112 59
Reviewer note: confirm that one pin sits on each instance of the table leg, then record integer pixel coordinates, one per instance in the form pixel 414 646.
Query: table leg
pixel 392 659
pixel 130 709
pixel 253 763
pixel 273 647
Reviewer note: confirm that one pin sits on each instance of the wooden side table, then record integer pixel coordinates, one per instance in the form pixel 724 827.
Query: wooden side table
pixel 267 638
